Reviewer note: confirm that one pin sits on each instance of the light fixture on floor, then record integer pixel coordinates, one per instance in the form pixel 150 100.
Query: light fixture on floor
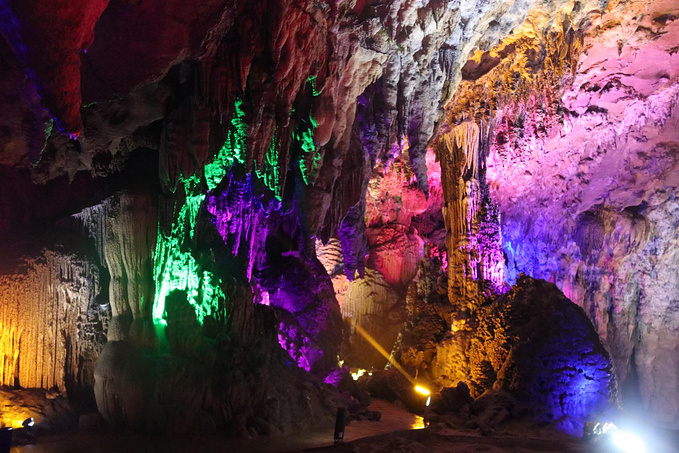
pixel 422 391
pixel 627 442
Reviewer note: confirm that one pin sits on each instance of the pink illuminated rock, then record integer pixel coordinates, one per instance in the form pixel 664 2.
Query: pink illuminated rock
pixel 395 248
pixel 376 301
pixel 583 168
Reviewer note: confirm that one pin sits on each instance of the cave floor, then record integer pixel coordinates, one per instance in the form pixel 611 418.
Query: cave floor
pixel 393 419
pixel 445 441
pixel 397 431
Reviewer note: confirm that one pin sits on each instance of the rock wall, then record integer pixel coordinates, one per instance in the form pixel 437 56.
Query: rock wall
pixel 581 167
pixel 531 342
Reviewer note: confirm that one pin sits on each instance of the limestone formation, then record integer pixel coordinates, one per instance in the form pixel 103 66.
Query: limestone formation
pixel 580 168
pixel 226 191
pixel 52 323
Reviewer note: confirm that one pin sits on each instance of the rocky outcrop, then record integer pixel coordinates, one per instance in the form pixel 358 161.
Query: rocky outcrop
pixel 50 411
pixel 531 342
pixel 210 376
pixel 310 325
pixel 536 344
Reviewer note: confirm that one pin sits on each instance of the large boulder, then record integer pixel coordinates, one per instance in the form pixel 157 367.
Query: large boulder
pixel 536 344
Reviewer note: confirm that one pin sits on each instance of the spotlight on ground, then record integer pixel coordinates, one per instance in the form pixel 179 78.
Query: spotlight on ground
pixel 357 374
pixel 627 442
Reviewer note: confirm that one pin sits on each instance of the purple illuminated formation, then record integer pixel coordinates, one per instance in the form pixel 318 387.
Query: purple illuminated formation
pixel 264 235
pixel 555 359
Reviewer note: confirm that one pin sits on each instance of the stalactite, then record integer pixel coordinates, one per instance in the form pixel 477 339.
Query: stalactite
pixel 174 266
pixel 185 138
pixel 91 223
pixel 310 157
pixel 233 150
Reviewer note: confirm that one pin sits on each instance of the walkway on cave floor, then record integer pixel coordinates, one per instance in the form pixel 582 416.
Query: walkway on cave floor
pixel 447 440
pixel 393 419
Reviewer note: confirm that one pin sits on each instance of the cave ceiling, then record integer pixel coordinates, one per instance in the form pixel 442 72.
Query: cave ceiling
pixel 108 73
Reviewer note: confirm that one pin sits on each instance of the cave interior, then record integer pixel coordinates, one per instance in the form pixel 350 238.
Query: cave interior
pixel 237 216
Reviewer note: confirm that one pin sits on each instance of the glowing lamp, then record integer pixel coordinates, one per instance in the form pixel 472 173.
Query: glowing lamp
pixel 357 374
pixel 29 422
pixel 422 391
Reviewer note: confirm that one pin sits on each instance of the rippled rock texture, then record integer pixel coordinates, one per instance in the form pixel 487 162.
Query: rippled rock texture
pixel 51 321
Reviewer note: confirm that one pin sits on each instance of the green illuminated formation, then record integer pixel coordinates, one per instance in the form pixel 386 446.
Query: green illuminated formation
pixel 304 135
pixel 312 81
pixel 48 131
pixel 309 159
pixel 232 151
pixel 270 172
pixel 175 268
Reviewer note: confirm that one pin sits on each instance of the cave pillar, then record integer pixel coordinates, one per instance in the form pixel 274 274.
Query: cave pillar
pixel 130 241
pixel 473 239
